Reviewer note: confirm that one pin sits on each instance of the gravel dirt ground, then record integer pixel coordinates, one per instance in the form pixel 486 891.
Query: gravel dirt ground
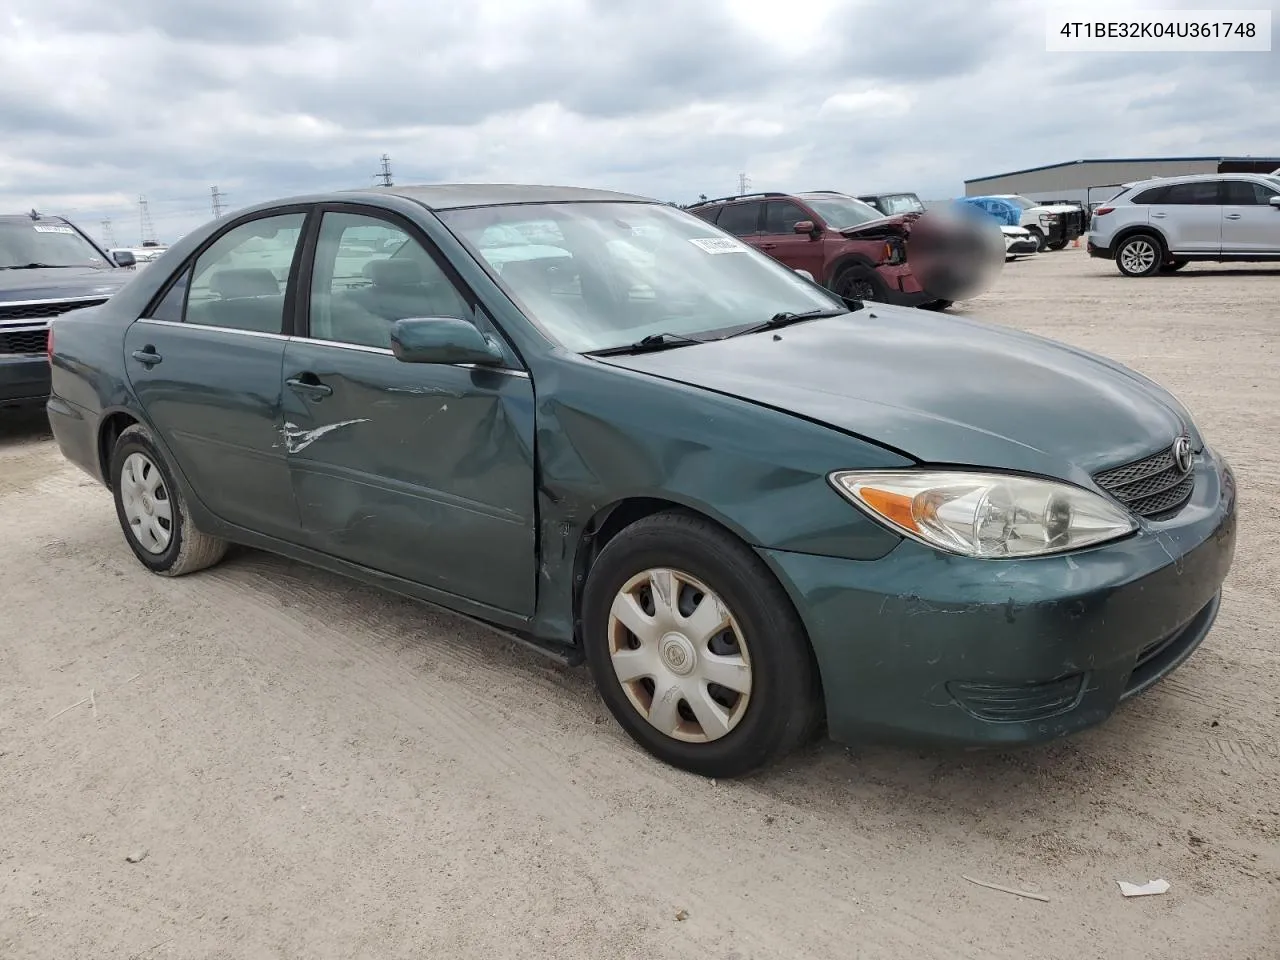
pixel 263 760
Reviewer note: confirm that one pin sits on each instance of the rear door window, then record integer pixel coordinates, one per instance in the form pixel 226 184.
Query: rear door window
pixel 239 281
pixel 740 219
pixel 1201 193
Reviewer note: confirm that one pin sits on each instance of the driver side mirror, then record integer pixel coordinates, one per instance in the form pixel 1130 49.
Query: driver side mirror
pixel 1275 202
pixel 124 258
pixel 809 227
pixel 443 340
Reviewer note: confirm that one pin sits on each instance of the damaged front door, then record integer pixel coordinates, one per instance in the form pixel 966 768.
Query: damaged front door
pixel 423 471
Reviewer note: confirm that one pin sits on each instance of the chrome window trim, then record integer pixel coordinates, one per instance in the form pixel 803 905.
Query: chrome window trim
pixel 361 348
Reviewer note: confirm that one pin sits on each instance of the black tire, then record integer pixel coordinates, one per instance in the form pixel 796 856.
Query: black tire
pixel 784 706
pixel 1173 265
pixel 1056 244
pixel 1139 255
pixel 1041 240
pixel 937 304
pixel 187 550
pixel 857 282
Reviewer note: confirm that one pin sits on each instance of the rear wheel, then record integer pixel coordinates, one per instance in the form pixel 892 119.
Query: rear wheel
pixel 1139 255
pixel 696 649
pixel 151 510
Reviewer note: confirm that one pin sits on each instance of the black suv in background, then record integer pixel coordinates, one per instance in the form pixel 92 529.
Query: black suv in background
pixel 47 267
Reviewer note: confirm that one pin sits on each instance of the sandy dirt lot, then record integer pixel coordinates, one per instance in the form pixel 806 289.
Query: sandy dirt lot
pixel 305 767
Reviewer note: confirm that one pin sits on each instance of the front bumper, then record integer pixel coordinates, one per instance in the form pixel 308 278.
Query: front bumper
pixel 928 648
pixel 24 379
pixel 1021 248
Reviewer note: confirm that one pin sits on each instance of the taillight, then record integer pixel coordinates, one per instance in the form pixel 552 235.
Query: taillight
pixel 1102 211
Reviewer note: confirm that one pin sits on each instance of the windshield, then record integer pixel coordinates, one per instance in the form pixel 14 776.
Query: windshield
pixel 842 212
pixel 46 242
pixel 902 203
pixel 601 275
pixel 1273 181
pixel 1023 202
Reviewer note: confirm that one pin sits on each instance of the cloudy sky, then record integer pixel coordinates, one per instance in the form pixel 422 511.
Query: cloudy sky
pixel 106 100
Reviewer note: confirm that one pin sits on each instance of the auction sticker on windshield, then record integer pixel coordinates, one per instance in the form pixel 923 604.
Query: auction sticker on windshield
pixel 45 228
pixel 718 244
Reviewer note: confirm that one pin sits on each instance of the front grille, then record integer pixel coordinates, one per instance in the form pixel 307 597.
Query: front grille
pixel 1151 486
pixel 23 341
pixel 45 309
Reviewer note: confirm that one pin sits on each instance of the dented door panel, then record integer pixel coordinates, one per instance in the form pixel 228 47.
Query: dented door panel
pixel 423 471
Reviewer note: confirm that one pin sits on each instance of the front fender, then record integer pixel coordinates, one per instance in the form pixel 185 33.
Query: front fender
pixel 607 435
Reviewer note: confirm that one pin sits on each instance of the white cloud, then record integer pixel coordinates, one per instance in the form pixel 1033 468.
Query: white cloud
pixel 266 98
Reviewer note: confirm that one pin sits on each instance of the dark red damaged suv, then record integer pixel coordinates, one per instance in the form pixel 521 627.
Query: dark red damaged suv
pixel 844 244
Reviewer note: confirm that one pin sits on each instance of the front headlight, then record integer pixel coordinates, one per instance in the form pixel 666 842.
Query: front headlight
pixel 985 515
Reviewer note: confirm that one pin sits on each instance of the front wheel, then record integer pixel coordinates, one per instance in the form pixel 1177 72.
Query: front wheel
pixel 1041 240
pixel 1056 245
pixel 1139 255
pixel 858 283
pixel 696 648
pixel 151 510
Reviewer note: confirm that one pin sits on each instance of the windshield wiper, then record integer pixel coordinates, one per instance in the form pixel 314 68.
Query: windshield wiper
pixel 655 341
pixel 38 266
pixel 786 318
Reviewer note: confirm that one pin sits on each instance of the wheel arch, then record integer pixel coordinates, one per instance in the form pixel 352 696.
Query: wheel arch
pixel 112 424
pixel 610 520
pixel 1133 230
pixel 844 262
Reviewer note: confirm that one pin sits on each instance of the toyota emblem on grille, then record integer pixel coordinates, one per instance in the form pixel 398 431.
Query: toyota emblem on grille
pixel 1182 454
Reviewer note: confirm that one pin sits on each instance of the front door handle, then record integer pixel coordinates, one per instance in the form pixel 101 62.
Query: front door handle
pixel 767 246
pixel 1233 216
pixel 147 356
pixel 1158 216
pixel 309 385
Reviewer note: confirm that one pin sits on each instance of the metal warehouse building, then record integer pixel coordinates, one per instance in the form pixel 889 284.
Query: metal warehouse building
pixel 1093 181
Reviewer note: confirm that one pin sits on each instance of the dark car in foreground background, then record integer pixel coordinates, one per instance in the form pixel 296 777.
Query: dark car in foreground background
pixel 623 435
pixel 852 248
pixel 47 268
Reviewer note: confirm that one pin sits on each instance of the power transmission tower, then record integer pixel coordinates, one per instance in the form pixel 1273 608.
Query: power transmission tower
pixel 144 217
pixel 743 182
pixel 218 197
pixel 108 237
pixel 385 174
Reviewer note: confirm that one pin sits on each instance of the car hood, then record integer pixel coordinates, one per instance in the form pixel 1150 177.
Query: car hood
pixel 897 224
pixel 943 390
pixel 61 283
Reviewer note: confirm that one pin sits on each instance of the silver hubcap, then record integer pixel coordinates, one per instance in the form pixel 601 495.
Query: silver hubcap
pixel 1138 256
pixel 146 503
pixel 679 655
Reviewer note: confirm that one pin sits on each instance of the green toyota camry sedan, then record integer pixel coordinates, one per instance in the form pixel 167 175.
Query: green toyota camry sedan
pixel 614 431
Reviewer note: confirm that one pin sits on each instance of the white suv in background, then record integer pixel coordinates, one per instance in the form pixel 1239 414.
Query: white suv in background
pixel 1164 224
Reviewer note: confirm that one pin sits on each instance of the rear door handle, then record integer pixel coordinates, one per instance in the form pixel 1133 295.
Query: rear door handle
pixel 1233 216
pixel 1158 216
pixel 310 386
pixel 767 246
pixel 147 356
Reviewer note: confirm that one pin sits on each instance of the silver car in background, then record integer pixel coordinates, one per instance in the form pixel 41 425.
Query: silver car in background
pixel 1163 224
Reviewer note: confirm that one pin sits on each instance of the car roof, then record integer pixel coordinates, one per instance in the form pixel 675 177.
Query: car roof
pixel 452 196
pixel 1191 178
